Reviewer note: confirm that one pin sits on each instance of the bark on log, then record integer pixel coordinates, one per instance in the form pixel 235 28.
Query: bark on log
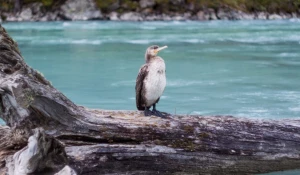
pixel 126 142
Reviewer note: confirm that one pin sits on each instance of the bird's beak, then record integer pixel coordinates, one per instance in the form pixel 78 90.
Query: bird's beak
pixel 161 48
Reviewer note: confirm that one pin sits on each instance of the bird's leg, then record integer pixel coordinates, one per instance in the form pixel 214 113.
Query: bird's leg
pixel 157 113
pixel 147 112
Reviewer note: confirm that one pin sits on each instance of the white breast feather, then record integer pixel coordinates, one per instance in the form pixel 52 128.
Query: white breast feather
pixel 155 82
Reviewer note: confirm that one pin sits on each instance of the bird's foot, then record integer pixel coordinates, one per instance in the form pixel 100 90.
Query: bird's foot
pixel 147 112
pixel 159 114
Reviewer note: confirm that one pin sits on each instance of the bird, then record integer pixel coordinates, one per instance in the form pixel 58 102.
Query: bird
pixel 151 82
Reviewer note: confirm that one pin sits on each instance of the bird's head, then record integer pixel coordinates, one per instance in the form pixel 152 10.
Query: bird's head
pixel 152 51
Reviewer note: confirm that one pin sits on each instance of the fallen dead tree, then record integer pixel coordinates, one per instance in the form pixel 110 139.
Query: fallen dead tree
pixel 46 132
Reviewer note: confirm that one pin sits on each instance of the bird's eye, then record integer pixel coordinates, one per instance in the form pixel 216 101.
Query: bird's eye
pixel 155 47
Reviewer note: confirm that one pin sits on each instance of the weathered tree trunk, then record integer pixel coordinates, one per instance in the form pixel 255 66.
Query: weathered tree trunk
pixel 125 142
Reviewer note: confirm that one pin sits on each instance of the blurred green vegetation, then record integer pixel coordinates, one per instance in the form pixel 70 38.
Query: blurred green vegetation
pixel 46 3
pixel 165 6
pixel 5 5
pixel 105 5
pixel 8 5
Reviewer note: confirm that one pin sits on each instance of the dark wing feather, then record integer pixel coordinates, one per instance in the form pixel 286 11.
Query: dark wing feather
pixel 139 90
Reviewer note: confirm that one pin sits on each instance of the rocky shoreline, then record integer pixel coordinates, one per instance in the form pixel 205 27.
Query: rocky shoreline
pixel 87 10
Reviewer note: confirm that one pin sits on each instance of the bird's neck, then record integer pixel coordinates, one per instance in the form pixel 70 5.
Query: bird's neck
pixel 148 58
pixel 151 59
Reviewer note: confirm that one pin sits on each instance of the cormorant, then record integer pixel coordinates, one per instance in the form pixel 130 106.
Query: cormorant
pixel 151 82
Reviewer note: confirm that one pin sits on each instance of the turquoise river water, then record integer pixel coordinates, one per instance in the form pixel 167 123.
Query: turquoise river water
pixel 240 68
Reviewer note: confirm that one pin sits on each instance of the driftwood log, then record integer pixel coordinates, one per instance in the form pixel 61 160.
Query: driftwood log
pixel 46 132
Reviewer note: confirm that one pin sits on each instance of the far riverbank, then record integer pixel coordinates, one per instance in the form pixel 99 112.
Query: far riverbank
pixel 150 10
